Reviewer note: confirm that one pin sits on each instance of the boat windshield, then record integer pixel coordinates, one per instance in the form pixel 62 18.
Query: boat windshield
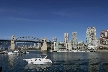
pixel 43 56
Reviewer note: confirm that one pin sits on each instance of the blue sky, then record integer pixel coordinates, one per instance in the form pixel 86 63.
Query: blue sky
pixel 50 18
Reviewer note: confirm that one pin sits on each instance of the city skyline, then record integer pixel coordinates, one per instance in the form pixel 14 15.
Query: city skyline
pixel 48 18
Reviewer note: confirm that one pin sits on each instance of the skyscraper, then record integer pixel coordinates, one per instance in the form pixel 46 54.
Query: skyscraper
pixel 66 37
pixel 91 36
pixel 74 40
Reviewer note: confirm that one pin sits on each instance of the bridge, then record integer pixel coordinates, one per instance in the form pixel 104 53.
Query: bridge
pixel 23 39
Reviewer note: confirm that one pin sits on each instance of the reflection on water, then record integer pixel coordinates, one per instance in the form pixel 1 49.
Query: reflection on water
pixel 37 67
pixel 93 62
pixel 11 61
pixel 62 62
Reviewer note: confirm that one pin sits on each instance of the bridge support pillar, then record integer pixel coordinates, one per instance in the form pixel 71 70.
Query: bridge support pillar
pixel 12 47
pixel 38 45
pixel 35 45
pixel 54 45
pixel 44 46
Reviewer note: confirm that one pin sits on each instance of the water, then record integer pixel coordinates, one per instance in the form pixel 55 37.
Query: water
pixel 62 62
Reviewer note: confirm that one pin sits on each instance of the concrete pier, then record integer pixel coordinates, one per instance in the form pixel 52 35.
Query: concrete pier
pixel 44 46
pixel 12 47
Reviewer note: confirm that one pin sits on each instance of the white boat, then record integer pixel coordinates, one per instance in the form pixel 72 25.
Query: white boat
pixel 30 60
pixel 11 53
pixel 41 60
pixel 15 51
pixel 5 52
pixel 25 52
pixel 60 50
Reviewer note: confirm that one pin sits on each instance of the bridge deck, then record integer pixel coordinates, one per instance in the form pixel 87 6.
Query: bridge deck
pixel 24 41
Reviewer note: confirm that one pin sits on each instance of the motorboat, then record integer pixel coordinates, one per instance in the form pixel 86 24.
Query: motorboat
pixel 16 51
pixel 11 53
pixel 25 52
pixel 60 50
pixel 2 51
pixel 30 60
pixel 42 60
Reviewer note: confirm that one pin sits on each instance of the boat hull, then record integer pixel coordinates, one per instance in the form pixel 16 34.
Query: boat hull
pixel 42 63
pixel 29 60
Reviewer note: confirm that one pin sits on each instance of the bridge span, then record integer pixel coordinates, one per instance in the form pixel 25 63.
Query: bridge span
pixel 24 39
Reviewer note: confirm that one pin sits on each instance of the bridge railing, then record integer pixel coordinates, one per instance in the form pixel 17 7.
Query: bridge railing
pixel 23 40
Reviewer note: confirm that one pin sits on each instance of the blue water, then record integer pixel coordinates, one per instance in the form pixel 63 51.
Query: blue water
pixel 62 62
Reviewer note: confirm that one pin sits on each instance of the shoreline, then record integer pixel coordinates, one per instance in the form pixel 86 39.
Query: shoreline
pixel 102 51
pixel 95 51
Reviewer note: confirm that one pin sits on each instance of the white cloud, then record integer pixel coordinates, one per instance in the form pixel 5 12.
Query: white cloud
pixel 25 19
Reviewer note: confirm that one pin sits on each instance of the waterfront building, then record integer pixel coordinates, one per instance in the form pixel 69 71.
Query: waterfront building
pixel 70 45
pixel 81 46
pixel 74 40
pixel 91 39
pixel 66 37
pixel 55 44
pixel 104 37
pixel 37 45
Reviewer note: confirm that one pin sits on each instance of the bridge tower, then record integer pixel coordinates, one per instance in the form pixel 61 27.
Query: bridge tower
pixel 44 46
pixel 55 43
pixel 12 47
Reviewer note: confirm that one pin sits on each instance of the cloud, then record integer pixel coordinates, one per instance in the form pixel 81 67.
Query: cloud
pixel 25 19
pixel 79 12
pixel 70 13
pixel 36 20
pixel 63 14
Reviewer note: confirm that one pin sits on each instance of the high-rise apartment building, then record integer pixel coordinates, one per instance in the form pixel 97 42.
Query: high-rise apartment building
pixel 91 36
pixel 74 40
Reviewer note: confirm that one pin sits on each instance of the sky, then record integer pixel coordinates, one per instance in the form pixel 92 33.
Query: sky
pixel 52 18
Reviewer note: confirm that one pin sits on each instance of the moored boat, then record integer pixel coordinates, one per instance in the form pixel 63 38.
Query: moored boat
pixel 11 53
pixel 42 60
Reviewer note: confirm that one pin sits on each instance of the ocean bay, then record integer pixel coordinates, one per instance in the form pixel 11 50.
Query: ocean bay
pixel 62 62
